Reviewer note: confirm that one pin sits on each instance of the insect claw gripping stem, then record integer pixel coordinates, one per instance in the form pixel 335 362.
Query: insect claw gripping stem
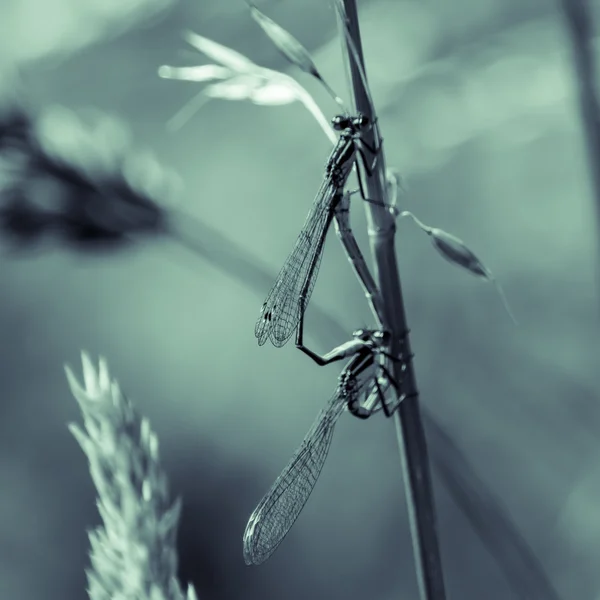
pixel 386 409
pixel 397 385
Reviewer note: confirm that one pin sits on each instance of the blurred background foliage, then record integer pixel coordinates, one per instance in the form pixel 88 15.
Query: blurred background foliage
pixel 478 109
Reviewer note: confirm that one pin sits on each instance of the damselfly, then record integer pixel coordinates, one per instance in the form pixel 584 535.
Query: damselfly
pixel 289 296
pixel 361 390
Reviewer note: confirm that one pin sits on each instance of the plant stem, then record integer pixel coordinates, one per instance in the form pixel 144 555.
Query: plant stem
pixel 579 21
pixel 409 425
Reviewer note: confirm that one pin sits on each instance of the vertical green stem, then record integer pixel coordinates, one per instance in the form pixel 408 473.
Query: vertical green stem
pixel 409 425
pixel 579 21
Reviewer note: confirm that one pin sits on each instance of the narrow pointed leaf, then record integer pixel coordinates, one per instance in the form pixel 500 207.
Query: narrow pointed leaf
pixel 187 111
pixel 351 48
pixel 290 47
pixel 285 42
pixel 222 54
pixel 273 93
pixel 237 88
pixel 256 89
pixel 200 73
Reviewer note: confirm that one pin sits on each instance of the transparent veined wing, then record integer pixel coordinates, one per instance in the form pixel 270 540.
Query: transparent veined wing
pixel 278 510
pixel 280 313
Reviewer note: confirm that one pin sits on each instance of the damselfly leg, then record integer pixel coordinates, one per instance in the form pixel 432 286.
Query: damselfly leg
pixel 356 257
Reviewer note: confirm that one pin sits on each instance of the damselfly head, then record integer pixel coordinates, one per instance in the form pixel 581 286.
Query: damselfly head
pixel 360 122
pixel 382 335
pixel 341 122
pixel 356 123
pixel 366 334
pixel 361 334
pixel 377 335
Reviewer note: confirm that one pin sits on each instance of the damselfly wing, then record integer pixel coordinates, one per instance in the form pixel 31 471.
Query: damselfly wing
pixel 289 296
pixel 278 510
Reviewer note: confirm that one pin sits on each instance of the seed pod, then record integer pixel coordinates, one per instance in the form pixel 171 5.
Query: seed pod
pixel 455 251
pixel 290 47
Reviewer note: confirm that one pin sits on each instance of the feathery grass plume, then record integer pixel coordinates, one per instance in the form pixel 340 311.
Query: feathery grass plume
pixel 291 48
pixel 245 80
pixel 456 252
pixel 75 177
pixel 133 554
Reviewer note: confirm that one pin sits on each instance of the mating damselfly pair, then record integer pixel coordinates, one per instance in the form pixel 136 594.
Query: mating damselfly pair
pixel 365 379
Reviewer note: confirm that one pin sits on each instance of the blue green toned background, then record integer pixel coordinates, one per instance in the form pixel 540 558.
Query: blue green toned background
pixel 478 110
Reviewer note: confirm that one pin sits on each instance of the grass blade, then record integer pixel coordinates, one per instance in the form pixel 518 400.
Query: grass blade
pixel 199 74
pixel 222 54
pixel 356 57
pixel 291 48
pixel 187 111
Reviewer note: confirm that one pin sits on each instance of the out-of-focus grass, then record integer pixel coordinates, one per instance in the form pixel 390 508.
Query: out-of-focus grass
pixel 134 553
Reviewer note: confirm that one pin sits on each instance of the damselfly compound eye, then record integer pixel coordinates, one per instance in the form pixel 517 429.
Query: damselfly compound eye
pixel 361 121
pixel 340 122
pixel 359 333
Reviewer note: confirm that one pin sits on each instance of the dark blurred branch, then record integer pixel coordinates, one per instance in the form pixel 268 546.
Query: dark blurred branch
pixel 579 26
pixel 489 519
